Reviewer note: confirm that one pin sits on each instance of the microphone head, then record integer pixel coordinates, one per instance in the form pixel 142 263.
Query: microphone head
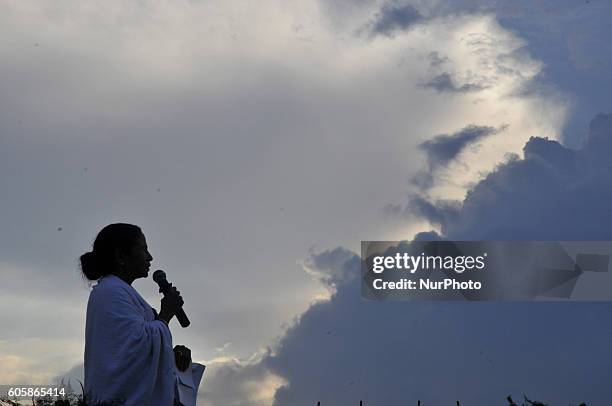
pixel 159 276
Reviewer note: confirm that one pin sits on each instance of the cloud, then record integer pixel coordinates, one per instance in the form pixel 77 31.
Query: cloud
pixel 74 377
pixel 435 60
pixel 232 382
pixel 438 212
pixel 227 381
pixel 553 193
pixel 568 37
pixel 346 349
pixel 393 18
pixel 444 83
pixel 330 267
pixel 443 148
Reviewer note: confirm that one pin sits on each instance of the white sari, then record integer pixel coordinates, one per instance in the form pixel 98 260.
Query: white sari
pixel 128 353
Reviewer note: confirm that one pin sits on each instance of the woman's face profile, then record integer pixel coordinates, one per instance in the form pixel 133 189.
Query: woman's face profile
pixel 138 259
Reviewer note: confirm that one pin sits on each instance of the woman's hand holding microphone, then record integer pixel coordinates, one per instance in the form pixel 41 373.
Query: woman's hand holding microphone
pixel 170 304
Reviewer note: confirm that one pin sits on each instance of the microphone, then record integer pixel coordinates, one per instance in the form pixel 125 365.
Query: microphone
pixel 159 277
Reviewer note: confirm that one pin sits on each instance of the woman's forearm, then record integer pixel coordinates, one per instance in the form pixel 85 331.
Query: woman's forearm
pixel 165 316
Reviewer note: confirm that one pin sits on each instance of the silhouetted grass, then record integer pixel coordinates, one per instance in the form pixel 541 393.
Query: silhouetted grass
pixel 72 399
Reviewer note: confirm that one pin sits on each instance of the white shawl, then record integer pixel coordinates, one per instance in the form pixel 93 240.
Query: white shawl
pixel 128 354
pixel 188 383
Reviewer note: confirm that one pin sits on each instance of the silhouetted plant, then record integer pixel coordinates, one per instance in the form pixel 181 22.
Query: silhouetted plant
pixel 71 399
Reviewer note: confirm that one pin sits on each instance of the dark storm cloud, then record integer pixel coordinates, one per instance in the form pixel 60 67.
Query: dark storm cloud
pixel 347 349
pixel 554 193
pixel 393 18
pixel 445 83
pixel 390 353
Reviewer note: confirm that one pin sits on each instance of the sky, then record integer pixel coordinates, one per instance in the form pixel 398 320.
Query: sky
pixel 257 143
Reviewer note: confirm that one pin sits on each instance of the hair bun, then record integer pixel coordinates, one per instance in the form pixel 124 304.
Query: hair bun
pixel 90 265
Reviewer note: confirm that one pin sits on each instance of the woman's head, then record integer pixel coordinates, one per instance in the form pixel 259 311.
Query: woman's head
pixel 119 249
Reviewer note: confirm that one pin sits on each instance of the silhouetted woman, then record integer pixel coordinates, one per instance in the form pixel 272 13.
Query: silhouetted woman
pixel 128 346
